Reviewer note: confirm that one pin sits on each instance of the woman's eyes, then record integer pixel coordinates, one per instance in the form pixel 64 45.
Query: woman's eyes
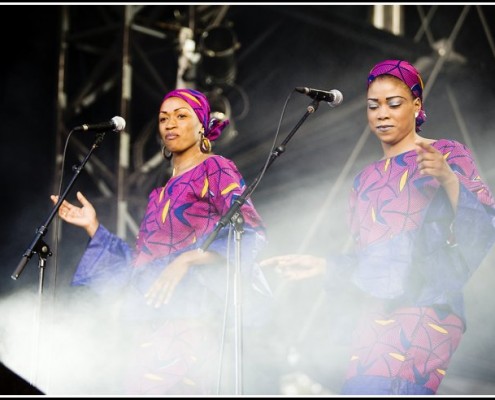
pixel 391 105
pixel 165 119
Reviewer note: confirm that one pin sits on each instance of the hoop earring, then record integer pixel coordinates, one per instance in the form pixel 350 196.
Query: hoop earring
pixel 205 145
pixel 167 154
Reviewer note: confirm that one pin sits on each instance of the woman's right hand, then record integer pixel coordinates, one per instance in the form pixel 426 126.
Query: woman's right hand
pixel 84 216
pixel 296 266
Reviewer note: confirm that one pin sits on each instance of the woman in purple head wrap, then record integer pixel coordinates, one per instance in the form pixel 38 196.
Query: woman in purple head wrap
pixel 173 292
pixel 421 221
pixel 408 74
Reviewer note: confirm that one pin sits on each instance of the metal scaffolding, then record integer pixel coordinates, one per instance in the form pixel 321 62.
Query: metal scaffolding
pixel 99 71
pixel 122 57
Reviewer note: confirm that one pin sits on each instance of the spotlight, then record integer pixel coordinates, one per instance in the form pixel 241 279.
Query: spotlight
pixel 217 48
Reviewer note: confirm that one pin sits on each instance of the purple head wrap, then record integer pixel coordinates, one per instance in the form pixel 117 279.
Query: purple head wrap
pixel 408 74
pixel 201 106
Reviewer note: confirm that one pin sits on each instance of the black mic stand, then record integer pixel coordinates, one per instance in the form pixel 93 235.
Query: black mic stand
pixel 43 250
pixel 234 216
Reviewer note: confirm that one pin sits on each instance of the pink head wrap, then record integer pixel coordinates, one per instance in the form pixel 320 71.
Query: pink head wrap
pixel 408 74
pixel 201 106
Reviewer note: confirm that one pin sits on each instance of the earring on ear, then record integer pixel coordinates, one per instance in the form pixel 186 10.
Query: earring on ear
pixel 416 114
pixel 167 154
pixel 205 145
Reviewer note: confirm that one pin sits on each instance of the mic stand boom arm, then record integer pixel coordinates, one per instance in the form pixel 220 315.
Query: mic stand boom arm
pixel 38 245
pixel 232 213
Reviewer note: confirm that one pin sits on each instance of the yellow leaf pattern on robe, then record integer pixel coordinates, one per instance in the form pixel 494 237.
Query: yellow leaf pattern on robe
pixel 441 371
pixel 387 163
pixel 229 188
pixel 161 194
pixel 165 210
pixel 205 188
pixel 446 155
pixel 153 377
pixel 403 180
pixel 384 322
pixel 373 216
pixel 397 356
pixel 438 328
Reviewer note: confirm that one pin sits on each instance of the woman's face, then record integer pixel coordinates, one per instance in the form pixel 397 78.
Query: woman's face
pixel 179 126
pixel 392 110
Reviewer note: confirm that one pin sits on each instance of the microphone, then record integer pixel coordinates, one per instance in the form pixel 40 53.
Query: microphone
pixel 333 97
pixel 116 124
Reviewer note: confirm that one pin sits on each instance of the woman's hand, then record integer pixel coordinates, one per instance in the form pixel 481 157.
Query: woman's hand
pixel 296 266
pixel 432 162
pixel 84 216
pixel 163 288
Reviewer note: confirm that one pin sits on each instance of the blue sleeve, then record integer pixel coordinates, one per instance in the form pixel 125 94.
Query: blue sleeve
pixel 473 229
pixel 452 246
pixel 105 263
pixel 340 268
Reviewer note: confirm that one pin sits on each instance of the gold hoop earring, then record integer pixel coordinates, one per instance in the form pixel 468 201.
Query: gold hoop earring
pixel 167 154
pixel 205 145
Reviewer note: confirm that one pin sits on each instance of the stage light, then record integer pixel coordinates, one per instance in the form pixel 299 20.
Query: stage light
pixel 217 48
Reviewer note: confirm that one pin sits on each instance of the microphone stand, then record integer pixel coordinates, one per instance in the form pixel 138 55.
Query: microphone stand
pixel 234 216
pixel 43 250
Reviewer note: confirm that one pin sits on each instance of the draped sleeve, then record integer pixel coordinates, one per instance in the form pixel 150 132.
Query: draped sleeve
pixel 105 261
pixel 410 245
pixel 453 244
pixel 179 217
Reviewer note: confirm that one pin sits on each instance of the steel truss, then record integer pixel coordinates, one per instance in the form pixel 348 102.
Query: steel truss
pixel 121 57
pixel 116 58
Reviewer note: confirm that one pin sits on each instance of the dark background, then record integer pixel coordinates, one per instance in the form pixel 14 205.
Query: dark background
pixel 302 197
